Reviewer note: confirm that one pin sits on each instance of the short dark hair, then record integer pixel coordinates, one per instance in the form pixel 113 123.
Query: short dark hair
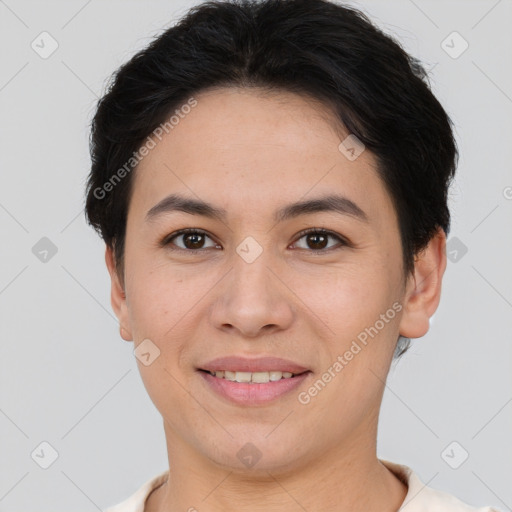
pixel 316 48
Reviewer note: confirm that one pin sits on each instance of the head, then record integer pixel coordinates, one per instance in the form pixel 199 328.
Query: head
pixel 218 126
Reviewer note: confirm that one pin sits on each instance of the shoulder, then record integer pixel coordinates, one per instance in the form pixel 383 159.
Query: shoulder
pixel 136 502
pixel 421 498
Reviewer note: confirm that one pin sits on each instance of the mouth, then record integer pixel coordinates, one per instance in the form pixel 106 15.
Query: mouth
pixel 252 389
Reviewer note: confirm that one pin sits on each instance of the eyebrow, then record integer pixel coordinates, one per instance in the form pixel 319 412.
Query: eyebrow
pixel 330 203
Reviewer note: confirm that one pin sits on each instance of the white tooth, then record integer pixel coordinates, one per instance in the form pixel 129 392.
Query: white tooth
pixel 230 375
pixel 257 377
pixel 243 376
pixel 260 377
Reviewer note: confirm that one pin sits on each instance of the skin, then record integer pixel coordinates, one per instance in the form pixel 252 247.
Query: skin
pixel 252 153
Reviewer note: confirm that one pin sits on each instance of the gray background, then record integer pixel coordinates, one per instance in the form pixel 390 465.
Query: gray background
pixel 67 377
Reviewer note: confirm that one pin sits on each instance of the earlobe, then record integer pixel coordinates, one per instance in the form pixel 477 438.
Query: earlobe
pixel 125 334
pixel 118 296
pixel 423 291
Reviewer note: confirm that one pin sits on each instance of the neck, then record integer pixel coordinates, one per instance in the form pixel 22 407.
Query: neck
pixel 341 480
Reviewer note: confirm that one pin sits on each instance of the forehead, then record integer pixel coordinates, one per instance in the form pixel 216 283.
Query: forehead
pixel 245 149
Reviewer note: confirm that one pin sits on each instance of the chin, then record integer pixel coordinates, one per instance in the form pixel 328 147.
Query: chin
pixel 257 455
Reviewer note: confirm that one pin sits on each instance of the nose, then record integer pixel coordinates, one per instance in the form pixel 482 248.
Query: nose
pixel 253 299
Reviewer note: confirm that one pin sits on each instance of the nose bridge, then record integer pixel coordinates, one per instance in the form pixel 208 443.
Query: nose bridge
pixel 250 268
pixel 253 297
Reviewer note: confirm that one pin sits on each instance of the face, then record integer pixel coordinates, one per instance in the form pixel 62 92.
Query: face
pixel 251 284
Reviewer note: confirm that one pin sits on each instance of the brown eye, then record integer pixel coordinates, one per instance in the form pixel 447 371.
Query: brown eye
pixel 317 240
pixel 191 240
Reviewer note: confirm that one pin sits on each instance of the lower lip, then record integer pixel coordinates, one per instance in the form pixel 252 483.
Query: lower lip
pixel 245 393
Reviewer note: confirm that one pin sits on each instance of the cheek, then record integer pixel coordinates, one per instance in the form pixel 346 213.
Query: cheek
pixel 167 303
pixel 157 301
pixel 362 312
pixel 158 305
pixel 347 298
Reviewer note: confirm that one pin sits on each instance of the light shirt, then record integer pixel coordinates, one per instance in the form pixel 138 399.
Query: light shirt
pixel 419 498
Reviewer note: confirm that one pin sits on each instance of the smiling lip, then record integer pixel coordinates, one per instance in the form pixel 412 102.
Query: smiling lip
pixel 249 393
pixel 246 393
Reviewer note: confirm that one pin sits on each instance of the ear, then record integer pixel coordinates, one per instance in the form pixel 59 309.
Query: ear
pixel 423 290
pixel 118 297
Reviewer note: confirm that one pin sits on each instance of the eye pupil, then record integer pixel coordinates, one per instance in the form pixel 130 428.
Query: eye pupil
pixel 195 244
pixel 317 236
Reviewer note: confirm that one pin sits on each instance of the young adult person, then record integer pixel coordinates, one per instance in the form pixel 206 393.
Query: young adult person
pixel 270 179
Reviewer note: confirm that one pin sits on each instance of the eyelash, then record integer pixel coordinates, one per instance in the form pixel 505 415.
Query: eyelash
pixel 318 231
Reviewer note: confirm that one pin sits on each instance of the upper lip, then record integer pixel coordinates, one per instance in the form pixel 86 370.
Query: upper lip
pixel 261 364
